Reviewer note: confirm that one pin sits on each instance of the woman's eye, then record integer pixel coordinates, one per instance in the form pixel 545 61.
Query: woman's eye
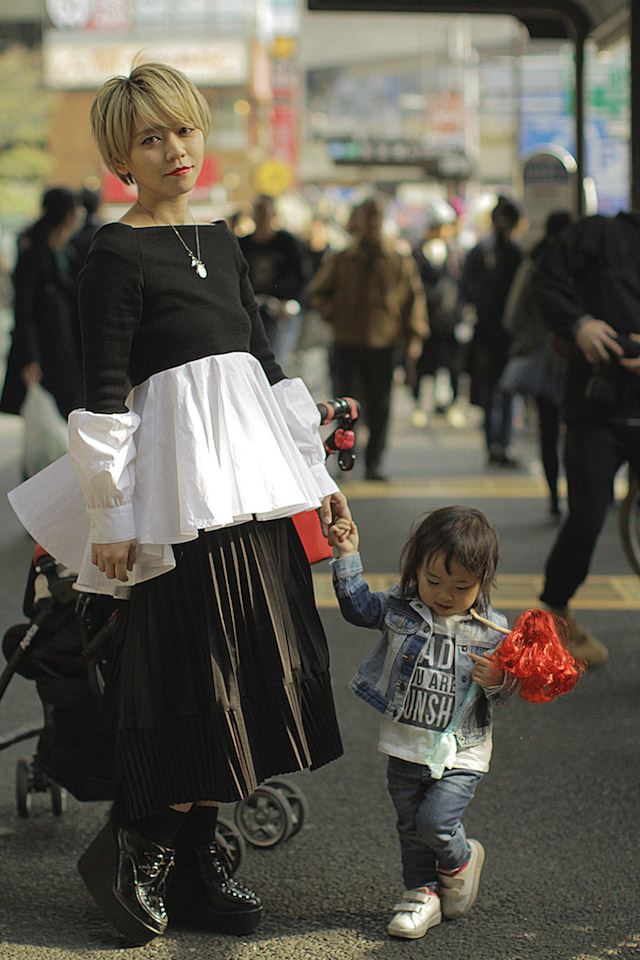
pixel 185 131
pixel 150 139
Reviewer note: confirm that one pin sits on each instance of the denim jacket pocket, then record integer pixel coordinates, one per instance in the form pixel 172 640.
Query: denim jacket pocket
pixel 399 632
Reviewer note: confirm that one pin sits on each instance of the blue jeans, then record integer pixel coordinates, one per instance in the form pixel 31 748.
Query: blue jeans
pixel 429 813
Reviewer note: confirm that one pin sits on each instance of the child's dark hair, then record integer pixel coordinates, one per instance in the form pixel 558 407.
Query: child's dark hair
pixel 458 534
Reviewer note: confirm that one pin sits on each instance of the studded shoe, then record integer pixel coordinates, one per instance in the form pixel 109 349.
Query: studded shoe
pixel 204 894
pixel 126 875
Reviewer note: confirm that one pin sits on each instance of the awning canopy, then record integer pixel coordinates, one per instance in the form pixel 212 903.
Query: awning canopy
pixel 571 19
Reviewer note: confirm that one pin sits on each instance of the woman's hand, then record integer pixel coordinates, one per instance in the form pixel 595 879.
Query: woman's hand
pixel 334 507
pixel 114 559
pixel 486 673
pixel 31 373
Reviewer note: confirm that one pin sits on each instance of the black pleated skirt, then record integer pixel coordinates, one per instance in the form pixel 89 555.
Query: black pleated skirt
pixel 221 676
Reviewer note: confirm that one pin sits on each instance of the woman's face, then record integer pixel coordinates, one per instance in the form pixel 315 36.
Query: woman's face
pixel 165 162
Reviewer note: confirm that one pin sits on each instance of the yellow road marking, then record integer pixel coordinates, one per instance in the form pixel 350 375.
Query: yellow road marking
pixel 518 592
pixel 460 488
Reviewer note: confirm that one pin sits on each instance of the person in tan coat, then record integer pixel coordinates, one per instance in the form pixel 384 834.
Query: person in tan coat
pixel 372 298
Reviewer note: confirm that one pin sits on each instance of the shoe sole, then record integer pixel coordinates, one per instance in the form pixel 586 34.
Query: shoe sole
pixel 414 934
pixel 450 912
pixel 187 907
pixel 97 866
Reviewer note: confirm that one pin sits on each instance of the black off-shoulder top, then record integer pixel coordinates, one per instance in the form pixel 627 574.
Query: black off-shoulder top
pixel 144 309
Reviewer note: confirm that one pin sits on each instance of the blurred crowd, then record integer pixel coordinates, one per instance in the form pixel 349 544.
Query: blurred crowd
pixel 459 318
pixel 353 307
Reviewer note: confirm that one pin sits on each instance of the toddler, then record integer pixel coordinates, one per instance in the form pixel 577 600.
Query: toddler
pixel 435 723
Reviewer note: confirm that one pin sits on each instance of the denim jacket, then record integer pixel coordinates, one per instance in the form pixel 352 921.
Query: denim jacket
pixel 384 676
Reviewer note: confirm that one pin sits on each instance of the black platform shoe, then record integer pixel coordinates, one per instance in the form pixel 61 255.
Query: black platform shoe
pixel 126 875
pixel 202 893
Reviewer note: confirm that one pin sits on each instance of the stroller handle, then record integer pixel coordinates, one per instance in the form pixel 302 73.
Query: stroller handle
pixel 345 411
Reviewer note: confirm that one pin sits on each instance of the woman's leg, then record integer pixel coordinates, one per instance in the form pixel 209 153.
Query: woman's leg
pixel 203 893
pixel 126 870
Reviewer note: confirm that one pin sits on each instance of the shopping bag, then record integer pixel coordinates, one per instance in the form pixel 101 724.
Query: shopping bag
pixel 46 435
pixel 316 546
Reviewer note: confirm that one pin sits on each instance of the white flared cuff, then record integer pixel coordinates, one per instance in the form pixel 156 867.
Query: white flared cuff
pixel 112 524
pixel 323 479
pixel 103 451
pixel 302 417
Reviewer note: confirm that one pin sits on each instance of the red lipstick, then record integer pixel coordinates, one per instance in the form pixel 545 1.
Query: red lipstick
pixel 180 172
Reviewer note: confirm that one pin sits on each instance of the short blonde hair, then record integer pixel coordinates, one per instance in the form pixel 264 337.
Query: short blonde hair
pixel 153 94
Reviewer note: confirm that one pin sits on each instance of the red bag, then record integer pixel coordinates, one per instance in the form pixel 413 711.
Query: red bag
pixel 316 546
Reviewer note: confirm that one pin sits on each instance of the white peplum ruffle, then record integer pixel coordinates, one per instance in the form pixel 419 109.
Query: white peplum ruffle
pixel 205 445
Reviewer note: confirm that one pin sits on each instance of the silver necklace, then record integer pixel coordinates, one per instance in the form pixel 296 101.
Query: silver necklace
pixel 196 262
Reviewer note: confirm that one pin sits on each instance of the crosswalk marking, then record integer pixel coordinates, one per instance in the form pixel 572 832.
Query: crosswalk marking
pixel 517 591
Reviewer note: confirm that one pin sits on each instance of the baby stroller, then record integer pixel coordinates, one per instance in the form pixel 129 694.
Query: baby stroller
pixel 64 649
pixel 67 647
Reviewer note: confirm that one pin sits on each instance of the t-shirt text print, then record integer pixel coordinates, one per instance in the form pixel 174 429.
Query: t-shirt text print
pixel 430 699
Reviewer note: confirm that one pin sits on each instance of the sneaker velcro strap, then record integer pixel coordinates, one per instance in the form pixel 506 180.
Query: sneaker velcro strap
pixel 415 899
pixel 408 906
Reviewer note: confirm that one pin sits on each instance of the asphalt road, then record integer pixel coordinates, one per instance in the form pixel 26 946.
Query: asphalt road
pixel 557 813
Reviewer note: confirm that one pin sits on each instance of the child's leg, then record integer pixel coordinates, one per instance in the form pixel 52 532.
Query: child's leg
pixel 438 822
pixel 419 910
pixel 429 819
pixel 407 784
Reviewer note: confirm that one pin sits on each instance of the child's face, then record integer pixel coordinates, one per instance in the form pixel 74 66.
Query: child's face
pixel 446 592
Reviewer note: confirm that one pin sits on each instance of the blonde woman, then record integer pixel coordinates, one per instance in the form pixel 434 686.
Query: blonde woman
pixel 222 677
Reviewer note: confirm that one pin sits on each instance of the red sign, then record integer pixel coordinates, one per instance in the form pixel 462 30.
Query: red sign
pixel 285 133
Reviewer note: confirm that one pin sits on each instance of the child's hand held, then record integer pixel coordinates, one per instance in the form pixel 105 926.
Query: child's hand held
pixel 343 536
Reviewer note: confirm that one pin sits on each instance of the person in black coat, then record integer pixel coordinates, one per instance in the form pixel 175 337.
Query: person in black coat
pixel 45 345
pixel 588 288
pixel 81 241
pixel 488 271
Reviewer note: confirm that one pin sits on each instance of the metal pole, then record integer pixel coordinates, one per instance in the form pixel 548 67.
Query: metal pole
pixel 634 101
pixel 579 112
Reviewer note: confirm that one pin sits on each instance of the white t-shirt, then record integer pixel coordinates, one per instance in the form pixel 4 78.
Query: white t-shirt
pixel 429 705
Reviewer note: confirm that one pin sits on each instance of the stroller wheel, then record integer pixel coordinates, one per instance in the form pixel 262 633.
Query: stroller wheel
pixel 58 798
pixel 232 842
pixel 264 818
pixel 297 801
pixel 23 787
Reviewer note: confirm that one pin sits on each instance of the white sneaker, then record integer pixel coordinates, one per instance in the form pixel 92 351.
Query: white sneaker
pixel 419 910
pixel 459 890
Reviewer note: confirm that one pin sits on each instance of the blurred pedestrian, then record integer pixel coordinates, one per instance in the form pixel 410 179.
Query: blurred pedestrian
pixel 442 352
pixel 277 274
pixel 588 286
pixel 81 241
pixel 419 677
pixel 534 368
pixel 45 346
pixel 487 274
pixel 372 298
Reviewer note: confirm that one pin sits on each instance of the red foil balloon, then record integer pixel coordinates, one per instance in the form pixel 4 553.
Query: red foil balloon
pixel 535 651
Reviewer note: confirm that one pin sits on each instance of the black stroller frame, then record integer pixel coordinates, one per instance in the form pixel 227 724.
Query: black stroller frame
pixel 70 680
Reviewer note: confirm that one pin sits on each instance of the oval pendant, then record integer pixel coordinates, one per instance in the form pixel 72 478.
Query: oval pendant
pixel 202 270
